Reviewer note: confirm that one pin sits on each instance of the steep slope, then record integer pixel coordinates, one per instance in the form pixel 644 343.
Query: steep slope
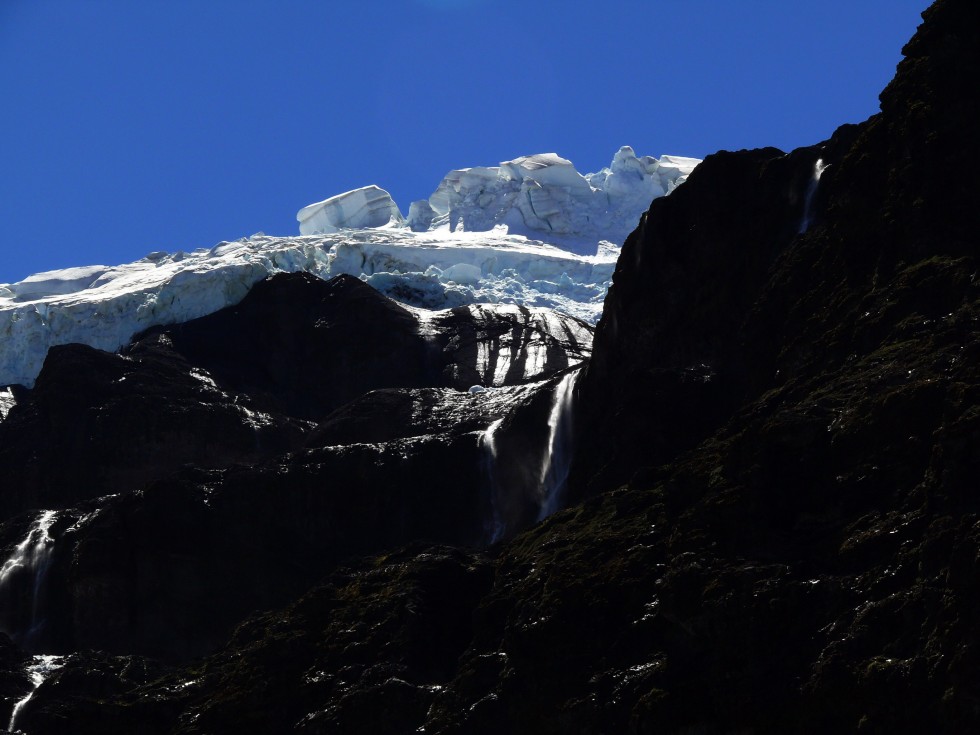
pixel 249 382
pixel 777 464
pixel 480 242
pixel 795 418
pixel 223 465
pixel 718 292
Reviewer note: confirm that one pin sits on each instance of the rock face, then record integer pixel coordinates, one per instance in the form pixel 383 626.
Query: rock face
pixel 717 298
pixel 225 464
pixel 249 382
pixel 773 521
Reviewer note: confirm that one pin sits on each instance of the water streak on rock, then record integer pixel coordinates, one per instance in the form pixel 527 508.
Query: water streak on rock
pixel 811 190
pixel 558 455
pixel 32 557
pixel 39 670
pixel 7 402
pixel 495 525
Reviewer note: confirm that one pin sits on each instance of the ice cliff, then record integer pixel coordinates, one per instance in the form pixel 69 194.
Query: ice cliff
pixel 532 231
pixel 541 197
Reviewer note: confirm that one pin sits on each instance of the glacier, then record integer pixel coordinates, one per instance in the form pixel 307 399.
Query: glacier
pixel 531 231
pixel 542 197
pixel 369 206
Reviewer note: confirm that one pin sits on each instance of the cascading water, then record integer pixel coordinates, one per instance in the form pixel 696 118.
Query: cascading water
pixel 558 454
pixel 811 191
pixel 495 527
pixel 7 402
pixel 38 670
pixel 525 484
pixel 25 571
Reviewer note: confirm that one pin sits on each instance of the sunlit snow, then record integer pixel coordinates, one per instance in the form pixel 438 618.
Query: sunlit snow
pixel 369 206
pixel 542 197
pixel 532 232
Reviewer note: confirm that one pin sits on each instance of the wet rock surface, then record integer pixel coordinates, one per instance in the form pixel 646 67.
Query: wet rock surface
pixel 772 525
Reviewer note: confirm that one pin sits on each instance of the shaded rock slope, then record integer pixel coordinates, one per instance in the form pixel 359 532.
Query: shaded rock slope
pixel 224 465
pixel 772 520
pixel 250 381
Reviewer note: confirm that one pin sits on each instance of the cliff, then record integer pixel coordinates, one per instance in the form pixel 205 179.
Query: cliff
pixel 771 520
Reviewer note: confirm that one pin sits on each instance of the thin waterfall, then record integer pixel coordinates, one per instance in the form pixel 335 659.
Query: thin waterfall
pixel 495 526
pixel 31 557
pixel 526 484
pixel 558 454
pixel 7 402
pixel 811 191
pixel 38 670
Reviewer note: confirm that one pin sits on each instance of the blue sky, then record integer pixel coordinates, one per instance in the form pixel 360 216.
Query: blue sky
pixel 131 126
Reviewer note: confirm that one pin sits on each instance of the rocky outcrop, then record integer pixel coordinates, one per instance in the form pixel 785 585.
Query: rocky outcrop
pixel 776 527
pixel 224 465
pixel 718 297
pixel 248 383
pixel 365 651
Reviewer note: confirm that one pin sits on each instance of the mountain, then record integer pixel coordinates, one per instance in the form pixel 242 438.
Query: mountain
pixel 477 249
pixel 763 470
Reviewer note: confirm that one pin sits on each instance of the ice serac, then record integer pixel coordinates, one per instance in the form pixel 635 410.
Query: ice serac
pixel 532 231
pixel 436 270
pixel 545 198
pixel 103 307
pixel 58 283
pixel 369 206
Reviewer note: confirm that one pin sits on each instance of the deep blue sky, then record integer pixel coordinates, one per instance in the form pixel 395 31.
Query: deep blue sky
pixel 128 126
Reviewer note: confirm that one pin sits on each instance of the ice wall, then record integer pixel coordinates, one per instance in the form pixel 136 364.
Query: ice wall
pixel 530 231
pixel 542 197
pixel 369 206
pixel 104 307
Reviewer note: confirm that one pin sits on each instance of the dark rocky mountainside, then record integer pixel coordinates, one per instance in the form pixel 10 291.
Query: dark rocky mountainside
pixel 249 382
pixel 224 465
pixel 292 517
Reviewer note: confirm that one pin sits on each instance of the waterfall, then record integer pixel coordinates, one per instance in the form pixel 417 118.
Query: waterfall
pixel 558 453
pixel 495 527
pixel 31 559
pixel 7 402
pixel 811 190
pixel 525 483
pixel 39 670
